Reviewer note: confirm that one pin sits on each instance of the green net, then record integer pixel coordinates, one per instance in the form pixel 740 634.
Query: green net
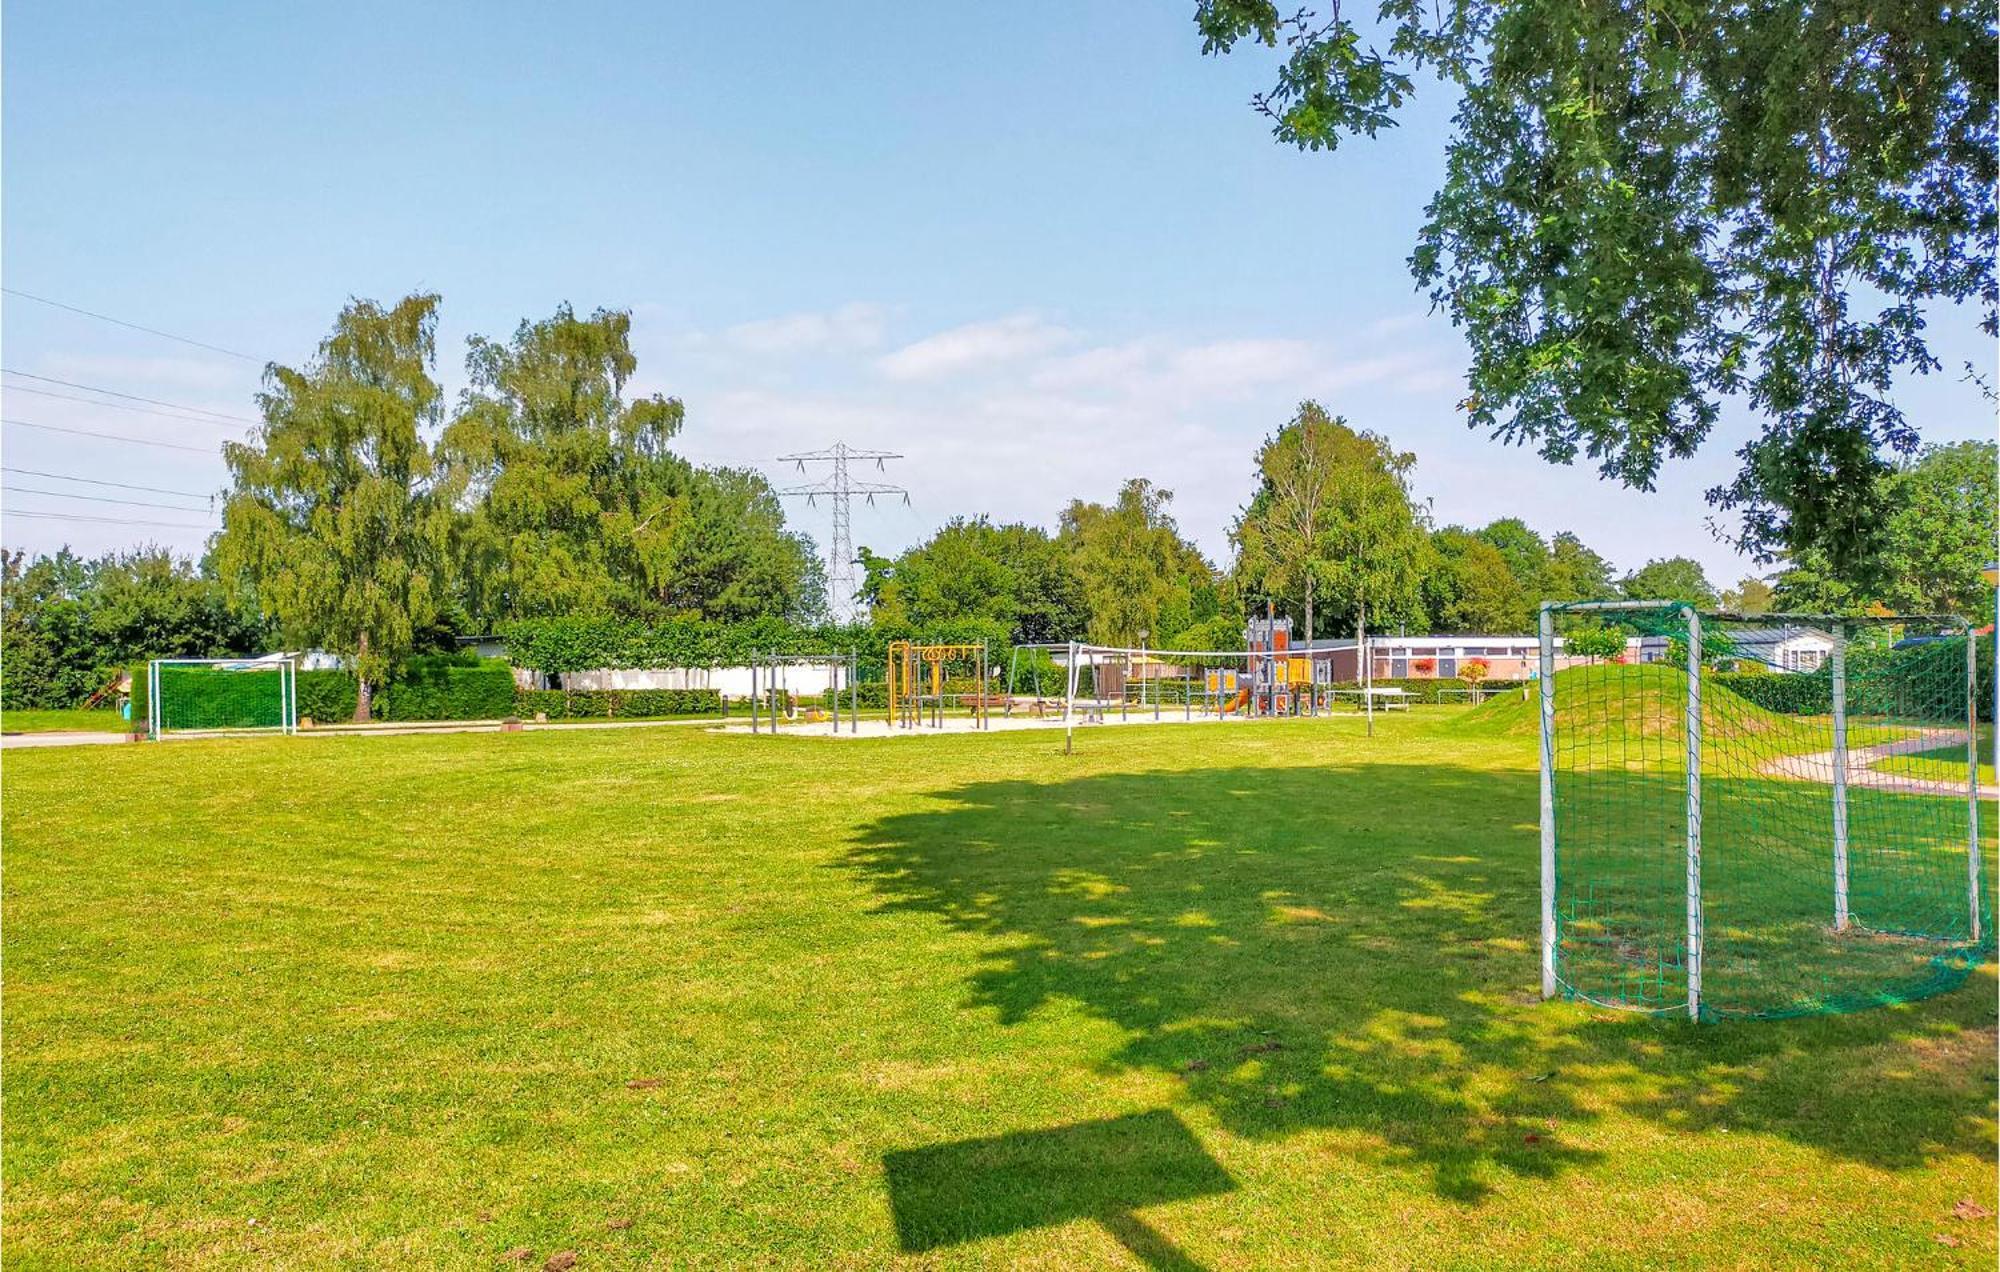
pixel 217 696
pixel 1828 794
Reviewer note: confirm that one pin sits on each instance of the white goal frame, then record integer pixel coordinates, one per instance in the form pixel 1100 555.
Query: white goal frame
pixel 288 692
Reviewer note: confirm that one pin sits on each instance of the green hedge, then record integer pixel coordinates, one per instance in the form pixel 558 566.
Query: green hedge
pixel 616 704
pixel 1788 693
pixel 557 645
pixel 327 697
pixel 449 687
pixel 1921 682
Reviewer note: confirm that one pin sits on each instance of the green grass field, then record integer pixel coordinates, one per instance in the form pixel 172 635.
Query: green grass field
pixel 62 722
pixel 1196 997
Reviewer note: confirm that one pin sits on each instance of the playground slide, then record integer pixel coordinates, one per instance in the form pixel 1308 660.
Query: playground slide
pixel 1240 701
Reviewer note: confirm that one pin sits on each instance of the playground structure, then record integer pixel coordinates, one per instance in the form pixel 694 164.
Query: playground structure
pixel 918 692
pixel 773 701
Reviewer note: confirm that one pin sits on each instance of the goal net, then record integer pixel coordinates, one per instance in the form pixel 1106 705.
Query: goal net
pixel 1756 816
pixel 206 695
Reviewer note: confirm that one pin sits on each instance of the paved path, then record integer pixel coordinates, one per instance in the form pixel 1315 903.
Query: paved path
pixel 9 741
pixel 1818 767
pixel 12 740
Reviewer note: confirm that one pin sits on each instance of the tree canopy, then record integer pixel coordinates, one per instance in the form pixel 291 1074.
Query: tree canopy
pixel 1670 579
pixel 336 522
pixel 1285 538
pixel 1938 535
pixel 1649 211
pixel 579 505
pixel 1138 574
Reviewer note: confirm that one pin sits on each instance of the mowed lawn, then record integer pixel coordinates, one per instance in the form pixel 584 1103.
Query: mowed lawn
pixel 1226 996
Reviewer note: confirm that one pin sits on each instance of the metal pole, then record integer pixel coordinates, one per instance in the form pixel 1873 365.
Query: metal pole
pixel 1548 748
pixel 1972 776
pixel 753 691
pixel 1368 686
pixel 1694 918
pixel 985 708
pixel 853 691
pixel 1069 702
pixel 1840 914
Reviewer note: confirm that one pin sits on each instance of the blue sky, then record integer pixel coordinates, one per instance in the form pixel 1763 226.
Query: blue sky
pixel 1035 248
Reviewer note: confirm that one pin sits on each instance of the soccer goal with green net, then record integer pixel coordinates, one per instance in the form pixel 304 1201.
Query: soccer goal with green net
pixel 209 695
pixel 1756 816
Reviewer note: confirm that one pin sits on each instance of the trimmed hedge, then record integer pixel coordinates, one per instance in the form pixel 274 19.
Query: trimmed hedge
pixel 617 704
pixel 553 646
pixel 327 697
pixel 449 687
pixel 1787 693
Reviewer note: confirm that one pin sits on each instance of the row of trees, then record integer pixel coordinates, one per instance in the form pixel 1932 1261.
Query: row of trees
pixel 366 519
pixel 363 513
pixel 1333 535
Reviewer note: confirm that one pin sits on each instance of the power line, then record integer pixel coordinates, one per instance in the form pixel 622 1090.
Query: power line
pixel 98 481
pixel 130 397
pixel 110 521
pixel 63 494
pixel 135 326
pixel 113 406
pixel 111 437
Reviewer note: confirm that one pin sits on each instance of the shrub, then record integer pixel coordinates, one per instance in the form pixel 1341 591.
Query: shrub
pixel 1594 642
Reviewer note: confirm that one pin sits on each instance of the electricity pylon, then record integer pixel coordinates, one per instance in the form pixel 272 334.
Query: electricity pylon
pixel 839 489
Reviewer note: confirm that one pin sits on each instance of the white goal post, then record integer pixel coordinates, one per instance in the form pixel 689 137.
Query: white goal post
pixel 221 695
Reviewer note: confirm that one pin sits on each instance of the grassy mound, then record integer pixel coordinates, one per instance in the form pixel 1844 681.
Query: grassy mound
pixel 1615 699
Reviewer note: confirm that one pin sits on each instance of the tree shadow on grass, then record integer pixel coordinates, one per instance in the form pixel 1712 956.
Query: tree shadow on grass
pixel 1354 949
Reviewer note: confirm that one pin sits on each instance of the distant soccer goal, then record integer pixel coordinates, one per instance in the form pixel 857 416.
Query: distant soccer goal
pixel 215 695
pixel 1756 816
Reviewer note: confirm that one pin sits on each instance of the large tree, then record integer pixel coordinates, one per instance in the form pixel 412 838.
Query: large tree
pixel 336 522
pixel 1938 534
pixel 1648 210
pixel 1377 547
pixel 1574 572
pixel 1138 574
pixel 1284 537
pixel 1670 579
pixel 1016 575
pixel 1472 588
pixel 579 505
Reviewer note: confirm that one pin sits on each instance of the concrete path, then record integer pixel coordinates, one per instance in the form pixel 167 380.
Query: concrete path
pixel 1818 767
pixel 9 741
pixel 12 740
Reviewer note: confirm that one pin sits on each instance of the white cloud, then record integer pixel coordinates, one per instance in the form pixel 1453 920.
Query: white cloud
pixel 972 346
pixel 1228 367
pixel 849 328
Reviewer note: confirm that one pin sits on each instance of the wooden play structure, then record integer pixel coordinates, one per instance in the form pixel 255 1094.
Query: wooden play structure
pixel 917 684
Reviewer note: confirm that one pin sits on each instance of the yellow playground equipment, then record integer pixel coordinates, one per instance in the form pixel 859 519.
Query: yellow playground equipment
pixel 917 683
